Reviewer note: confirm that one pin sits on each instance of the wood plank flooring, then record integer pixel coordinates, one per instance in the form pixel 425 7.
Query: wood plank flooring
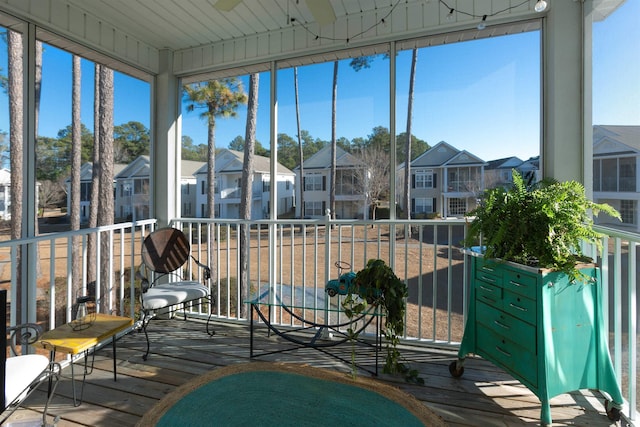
pixel 180 351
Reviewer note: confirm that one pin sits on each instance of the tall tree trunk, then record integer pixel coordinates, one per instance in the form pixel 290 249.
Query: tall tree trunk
pixel 211 165
pixel 247 188
pixel 334 105
pixel 76 159
pixel 14 45
pixel 407 146
pixel 300 147
pixel 211 180
pixel 95 182
pixel 105 170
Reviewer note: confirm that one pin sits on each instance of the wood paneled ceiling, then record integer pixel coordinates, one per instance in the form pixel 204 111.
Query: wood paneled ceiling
pixel 189 23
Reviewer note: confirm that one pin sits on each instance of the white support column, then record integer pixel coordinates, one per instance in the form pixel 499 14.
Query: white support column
pixel 165 153
pixel 273 215
pixel 563 152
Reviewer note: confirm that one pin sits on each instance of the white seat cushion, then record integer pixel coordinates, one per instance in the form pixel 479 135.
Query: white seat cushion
pixel 169 294
pixel 22 371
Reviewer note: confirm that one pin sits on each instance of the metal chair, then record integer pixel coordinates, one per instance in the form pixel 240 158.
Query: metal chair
pixel 164 253
pixel 20 375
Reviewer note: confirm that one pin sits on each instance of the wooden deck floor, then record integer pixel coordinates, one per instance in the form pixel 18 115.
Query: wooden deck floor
pixel 484 396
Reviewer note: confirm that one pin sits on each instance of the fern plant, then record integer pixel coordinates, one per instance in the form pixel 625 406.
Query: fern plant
pixel 540 225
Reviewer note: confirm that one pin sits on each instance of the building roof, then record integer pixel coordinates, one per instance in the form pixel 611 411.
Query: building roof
pixel 444 154
pixel 504 163
pixel 616 140
pixel 231 161
pixel 322 159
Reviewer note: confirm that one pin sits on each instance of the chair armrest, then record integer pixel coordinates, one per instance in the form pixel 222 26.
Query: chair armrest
pixel 141 275
pixel 23 334
pixel 207 270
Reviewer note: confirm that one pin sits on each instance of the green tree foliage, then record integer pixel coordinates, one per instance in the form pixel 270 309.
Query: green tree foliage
pixel 64 135
pixel 238 144
pixel 52 158
pixel 288 153
pixel 418 146
pixel 190 151
pixel 131 140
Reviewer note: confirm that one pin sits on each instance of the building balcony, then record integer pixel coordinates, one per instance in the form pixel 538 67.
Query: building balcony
pixel 426 256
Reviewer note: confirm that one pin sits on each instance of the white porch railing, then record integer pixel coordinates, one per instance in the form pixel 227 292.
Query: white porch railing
pixel 297 257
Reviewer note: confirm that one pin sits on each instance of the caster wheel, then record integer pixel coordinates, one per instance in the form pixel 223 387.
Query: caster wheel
pixel 454 371
pixel 613 413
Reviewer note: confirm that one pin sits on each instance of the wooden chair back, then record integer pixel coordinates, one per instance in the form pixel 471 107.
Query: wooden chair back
pixel 165 250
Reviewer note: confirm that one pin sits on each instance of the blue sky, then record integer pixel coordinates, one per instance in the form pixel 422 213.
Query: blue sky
pixel 481 96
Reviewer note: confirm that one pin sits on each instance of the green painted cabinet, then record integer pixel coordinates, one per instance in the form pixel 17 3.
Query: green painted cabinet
pixel 544 330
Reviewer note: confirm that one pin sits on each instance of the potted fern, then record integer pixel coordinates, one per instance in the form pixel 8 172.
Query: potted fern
pixel 540 225
pixel 535 298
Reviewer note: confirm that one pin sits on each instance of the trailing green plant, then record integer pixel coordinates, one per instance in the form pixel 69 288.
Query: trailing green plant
pixel 378 283
pixel 353 307
pixel 540 225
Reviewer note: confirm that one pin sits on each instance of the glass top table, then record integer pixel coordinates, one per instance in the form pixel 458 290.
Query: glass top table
pixel 313 326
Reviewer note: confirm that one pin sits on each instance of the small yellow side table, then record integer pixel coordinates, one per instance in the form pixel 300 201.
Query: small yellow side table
pixel 66 340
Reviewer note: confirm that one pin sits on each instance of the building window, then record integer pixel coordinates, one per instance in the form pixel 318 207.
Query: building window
pixel 618 174
pixel 141 186
pixel 423 205
pixel 423 179
pixel 457 206
pixel 627 174
pixel 346 182
pixel 609 173
pixel 314 208
pixel 266 186
pixel 463 179
pixel 314 183
pixel 85 191
pixel 628 211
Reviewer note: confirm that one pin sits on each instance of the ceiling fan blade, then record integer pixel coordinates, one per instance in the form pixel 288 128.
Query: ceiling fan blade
pixel 226 5
pixel 322 11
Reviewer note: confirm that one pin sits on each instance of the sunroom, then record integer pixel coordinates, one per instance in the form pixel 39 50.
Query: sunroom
pixel 492 78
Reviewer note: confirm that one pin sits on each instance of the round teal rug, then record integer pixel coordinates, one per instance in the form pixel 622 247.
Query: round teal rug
pixel 270 394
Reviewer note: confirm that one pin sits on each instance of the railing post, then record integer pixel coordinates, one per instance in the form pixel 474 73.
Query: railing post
pixel 327 263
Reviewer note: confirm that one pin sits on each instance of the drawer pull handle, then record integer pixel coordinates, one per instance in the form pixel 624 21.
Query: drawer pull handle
pixel 518 307
pixel 502 325
pixel 506 353
pixel 488 279
pixel 484 288
pixel 519 285
pixel 486 298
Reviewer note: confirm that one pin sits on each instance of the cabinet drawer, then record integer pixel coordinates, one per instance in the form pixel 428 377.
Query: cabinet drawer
pixel 488 293
pixel 519 306
pixel 520 362
pixel 488 271
pixel 521 283
pixel 503 324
